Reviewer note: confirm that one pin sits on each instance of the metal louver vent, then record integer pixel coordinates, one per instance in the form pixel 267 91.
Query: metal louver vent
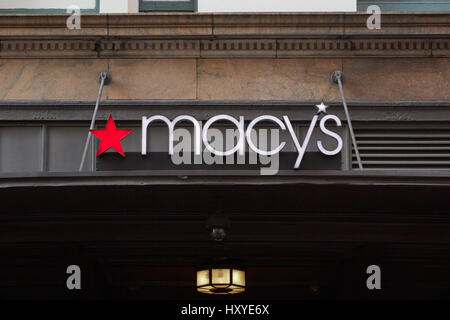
pixel 403 148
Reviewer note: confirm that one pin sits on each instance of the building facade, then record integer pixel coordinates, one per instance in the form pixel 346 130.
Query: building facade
pixel 139 226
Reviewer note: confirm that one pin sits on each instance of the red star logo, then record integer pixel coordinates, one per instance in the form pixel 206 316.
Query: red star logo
pixel 110 137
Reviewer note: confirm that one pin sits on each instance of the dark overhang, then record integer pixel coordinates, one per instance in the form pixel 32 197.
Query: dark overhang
pixel 221 178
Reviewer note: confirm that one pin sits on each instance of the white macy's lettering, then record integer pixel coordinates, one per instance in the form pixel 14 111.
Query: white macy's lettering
pixel 201 134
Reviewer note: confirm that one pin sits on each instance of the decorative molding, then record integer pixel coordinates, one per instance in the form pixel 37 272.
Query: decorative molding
pixel 150 48
pixel 239 48
pixel 48 49
pixel 232 48
pixel 350 48
pixel 440 48
pixel 187 35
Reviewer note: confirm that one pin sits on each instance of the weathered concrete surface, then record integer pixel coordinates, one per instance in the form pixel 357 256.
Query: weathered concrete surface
pixel 50 79
pixel 226 79
pixel 267 79
pixel 397 79
pixel 152 79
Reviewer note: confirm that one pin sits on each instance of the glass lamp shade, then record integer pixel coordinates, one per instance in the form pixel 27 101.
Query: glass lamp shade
pixel 220 281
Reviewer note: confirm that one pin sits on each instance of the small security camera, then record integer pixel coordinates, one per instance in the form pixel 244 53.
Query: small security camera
pixel 218 234
pixel 217 225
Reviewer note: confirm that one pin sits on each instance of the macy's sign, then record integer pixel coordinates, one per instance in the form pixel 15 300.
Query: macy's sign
pixel 111 136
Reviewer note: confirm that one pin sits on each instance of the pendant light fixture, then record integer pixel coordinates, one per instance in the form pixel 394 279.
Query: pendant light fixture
pixel 221 280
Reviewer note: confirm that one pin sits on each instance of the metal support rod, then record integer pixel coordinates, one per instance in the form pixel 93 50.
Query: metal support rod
pixel 104 79
pixel 336 77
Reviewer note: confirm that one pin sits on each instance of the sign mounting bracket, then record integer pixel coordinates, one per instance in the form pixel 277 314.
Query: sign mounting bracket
pixel 104 79
pixel 337 77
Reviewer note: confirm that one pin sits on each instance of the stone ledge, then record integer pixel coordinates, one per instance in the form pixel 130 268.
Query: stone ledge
pixel 250 25
pixel 50 26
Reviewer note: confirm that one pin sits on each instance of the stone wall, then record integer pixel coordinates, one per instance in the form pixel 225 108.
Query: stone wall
pixel 225 57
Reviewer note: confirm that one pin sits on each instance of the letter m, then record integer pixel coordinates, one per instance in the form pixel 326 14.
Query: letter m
pixel 171 125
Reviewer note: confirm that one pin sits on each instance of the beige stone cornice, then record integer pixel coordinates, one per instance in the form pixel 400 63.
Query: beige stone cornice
pixel 225 35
